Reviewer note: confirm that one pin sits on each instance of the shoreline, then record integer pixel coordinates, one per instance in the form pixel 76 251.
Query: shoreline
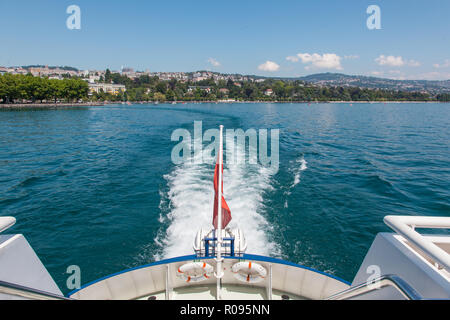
pixel 24 106
pixel 34 106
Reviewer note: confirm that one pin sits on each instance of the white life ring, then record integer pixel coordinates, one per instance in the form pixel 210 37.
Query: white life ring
pixel 195 271
pixel 249 272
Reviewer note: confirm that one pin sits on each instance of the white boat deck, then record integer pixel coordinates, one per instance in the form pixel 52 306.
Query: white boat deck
pixel 229 292
pixel 160 280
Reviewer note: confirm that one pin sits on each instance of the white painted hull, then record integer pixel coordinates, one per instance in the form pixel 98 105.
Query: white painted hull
pixel 160 280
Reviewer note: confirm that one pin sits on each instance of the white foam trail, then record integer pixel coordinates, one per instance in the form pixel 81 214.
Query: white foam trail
pixel 301 165
pixel 244 187
pixel 191 196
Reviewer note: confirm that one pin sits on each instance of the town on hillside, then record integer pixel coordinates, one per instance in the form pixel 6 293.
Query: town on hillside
pixel 39 83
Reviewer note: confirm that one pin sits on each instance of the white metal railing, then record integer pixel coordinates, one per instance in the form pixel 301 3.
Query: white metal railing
pixel 28 293
pixel 406 225
pixel 6 223
pixel 396 282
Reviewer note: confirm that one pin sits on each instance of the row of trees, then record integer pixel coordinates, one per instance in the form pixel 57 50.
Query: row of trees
pixel 443 97
pixel 15 88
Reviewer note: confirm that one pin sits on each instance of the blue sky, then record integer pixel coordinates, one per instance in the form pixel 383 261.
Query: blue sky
pixel 247 36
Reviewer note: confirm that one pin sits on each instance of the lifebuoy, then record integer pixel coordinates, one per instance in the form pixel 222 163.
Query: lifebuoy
pixel 195 271
pixel 249 272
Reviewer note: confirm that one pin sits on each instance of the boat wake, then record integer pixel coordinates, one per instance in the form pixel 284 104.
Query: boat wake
pixel 300 165
pixel 187 205
pixel 297 167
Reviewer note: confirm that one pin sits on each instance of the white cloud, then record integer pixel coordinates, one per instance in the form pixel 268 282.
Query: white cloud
pixel 390 61
pixel 351 57
pixel 446 64
pixel 325 61
pixel 393 61
pixel 292 59
pixel 269 66
pixel 214 62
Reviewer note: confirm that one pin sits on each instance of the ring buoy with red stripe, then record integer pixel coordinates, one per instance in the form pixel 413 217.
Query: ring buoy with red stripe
pixel 249 272
pixel 195 271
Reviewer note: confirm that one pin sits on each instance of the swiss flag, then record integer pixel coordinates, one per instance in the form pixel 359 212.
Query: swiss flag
pixel 226 212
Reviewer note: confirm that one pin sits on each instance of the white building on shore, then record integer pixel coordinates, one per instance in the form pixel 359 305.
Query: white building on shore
pixel 114 89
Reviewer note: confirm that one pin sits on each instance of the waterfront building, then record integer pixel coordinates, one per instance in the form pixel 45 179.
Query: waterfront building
pixel 107 88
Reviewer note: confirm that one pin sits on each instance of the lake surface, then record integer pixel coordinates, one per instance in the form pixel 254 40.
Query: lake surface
pixel 96 187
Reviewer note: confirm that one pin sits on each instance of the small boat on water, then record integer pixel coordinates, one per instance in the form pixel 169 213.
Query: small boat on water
pixel 404 264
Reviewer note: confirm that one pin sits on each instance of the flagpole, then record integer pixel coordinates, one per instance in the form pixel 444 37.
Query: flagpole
pixel 219 259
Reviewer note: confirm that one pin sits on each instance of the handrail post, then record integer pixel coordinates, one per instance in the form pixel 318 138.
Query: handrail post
pixel 269 283
pixel 206 248
pixel 168 287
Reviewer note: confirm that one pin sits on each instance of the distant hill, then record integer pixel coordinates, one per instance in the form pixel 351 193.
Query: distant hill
pixel 344 80
pixel 338 79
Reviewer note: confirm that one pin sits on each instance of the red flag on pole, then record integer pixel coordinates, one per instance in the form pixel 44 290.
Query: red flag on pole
pixel 226 212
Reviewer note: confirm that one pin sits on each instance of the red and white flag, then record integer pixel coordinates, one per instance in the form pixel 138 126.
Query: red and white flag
pixel 226 212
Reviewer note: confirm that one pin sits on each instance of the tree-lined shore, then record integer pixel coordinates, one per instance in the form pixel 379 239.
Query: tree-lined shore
pixel 30 89
pixel 27 88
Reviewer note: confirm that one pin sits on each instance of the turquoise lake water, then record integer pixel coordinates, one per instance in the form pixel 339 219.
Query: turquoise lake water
pixel 96 187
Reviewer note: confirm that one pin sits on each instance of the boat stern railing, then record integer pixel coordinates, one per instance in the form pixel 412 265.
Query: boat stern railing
pixel 408 292
pixel 6 223
pixel 210 244
pixel 406 227
pixel 16 290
